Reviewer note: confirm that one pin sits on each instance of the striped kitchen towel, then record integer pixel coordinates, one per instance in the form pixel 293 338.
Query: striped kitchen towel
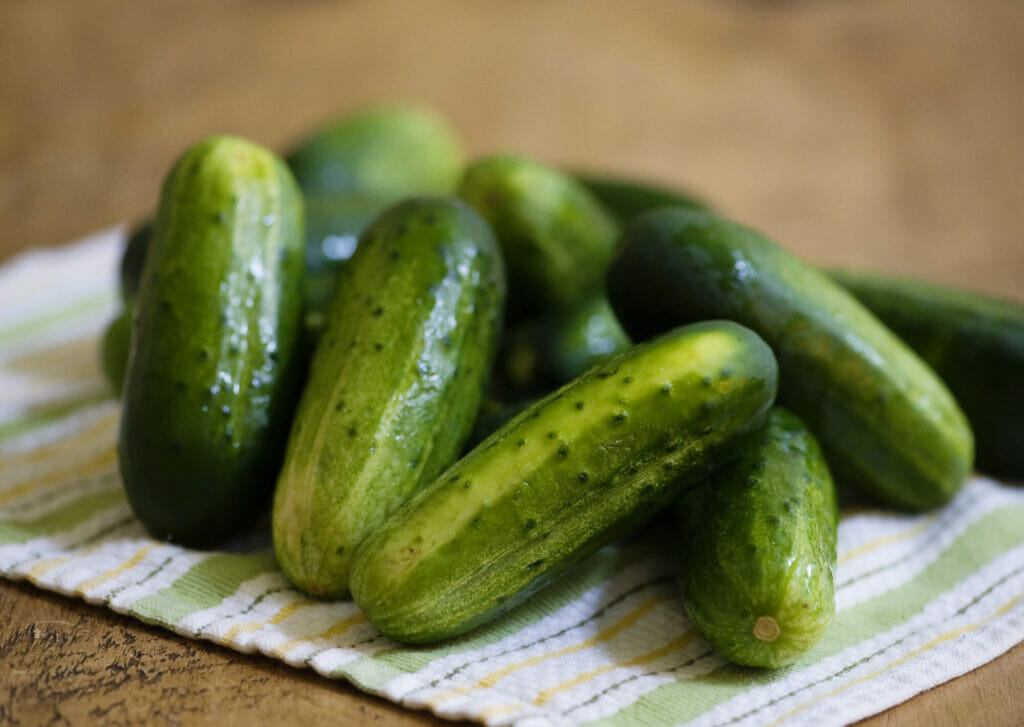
pixel 921 598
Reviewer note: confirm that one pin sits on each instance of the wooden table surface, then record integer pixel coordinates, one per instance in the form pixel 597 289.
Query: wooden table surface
pixel 867 133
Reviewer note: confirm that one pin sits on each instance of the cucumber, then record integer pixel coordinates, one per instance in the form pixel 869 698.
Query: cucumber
pixel 209 385
pixel 493 415
pixel 560 480
pixel 540 354
pixel 555 236
pixel 393 151
pixel 887 424
pixel 134 258
pixel 758 557
pixel 333 226
pixel 973 341
pixel 579 338
pixel 114 349
pixel 627 198
pixel 394 386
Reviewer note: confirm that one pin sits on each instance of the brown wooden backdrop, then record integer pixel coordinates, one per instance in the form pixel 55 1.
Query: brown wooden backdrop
pixel 861 132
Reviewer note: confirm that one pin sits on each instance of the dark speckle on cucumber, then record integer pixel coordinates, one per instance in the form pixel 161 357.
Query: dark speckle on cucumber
pixel 198 445
pixel 587 489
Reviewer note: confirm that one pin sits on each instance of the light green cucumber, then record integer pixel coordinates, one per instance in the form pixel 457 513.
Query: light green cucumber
pixel 975 342
pixel 555 236
pixel 209 386
pixel 391 151
pixel 758 557
pixel 561 479
pixel 888 425
pixel 395 383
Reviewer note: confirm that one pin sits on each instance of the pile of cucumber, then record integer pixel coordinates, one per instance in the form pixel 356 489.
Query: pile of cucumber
pixel 452 382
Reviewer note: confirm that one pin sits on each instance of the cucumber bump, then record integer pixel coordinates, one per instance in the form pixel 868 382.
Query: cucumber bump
pixel 886 422
pixel 758 556
pixel 562 478
pixel 395 383
pixel 209 384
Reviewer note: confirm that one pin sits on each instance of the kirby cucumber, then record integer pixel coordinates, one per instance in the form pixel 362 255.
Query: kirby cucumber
pixel 115 347
pixel 394 386
pixel 561 479
pixel 333 226
pixel 540 354
pixel 209 385
pixel 391 151
pixel 133 259
pixel 555 236
pixel 973 341
pixel 887 423
pixel 627 198
pixel 758 557
pixel 574 340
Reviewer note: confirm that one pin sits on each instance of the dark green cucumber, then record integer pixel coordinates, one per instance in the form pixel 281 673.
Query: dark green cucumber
pixel 333 226
pixel 973 341
pixel 758 557
pixel 114 349
pixel 555 236
pixel 209 385
pixel 887 424
pixel 134 258
pixel 540 354
pixel 394 387
pixel 627 198
pixel 389 151
pixel 561 479
pixel 581 337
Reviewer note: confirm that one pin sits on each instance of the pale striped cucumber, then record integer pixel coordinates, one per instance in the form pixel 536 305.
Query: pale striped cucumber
pixel 395 383
pixel 561 479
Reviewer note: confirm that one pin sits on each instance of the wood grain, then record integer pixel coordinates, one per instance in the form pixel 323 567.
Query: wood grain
pixel 868 133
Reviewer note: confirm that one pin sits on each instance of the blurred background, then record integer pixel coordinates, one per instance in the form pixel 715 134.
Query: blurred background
pixel 863 132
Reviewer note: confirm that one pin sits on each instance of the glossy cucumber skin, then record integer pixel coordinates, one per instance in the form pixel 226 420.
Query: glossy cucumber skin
pixel 392 151
pixel 976 345
pixel 584 336
pixel 115 347
pixel 560 480
pixel 209 385
pixel 628 198
pixel 540 354
pixel 394 386
pixel 757 566
pixel 555 236
pixel 887 424
pixel 334 224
